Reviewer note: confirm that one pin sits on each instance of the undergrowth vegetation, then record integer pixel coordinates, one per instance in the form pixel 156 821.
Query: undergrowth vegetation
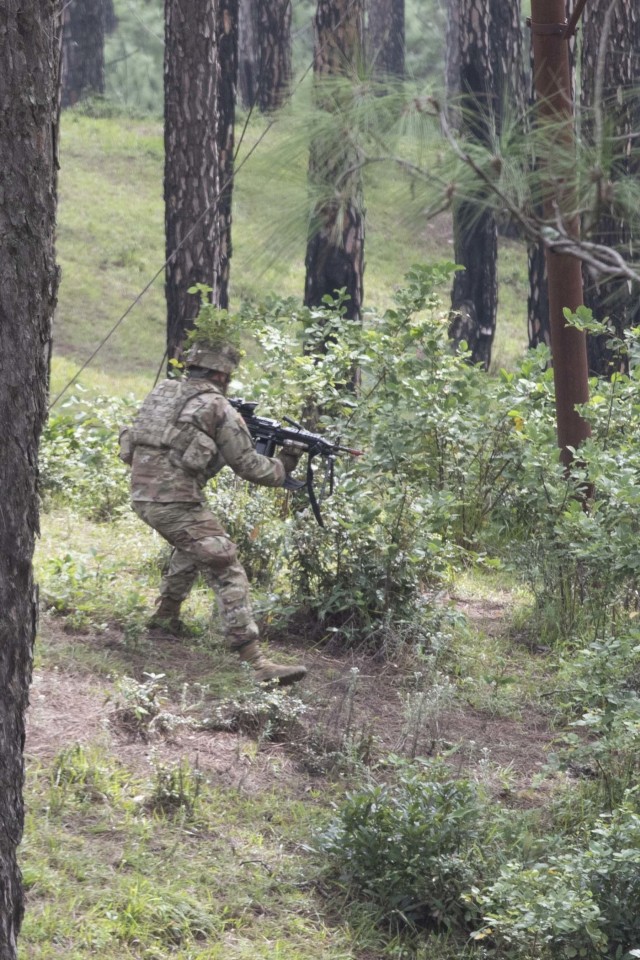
pixel 460 473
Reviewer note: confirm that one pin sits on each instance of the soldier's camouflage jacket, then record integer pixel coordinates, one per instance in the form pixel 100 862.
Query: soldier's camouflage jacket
pixel 184 434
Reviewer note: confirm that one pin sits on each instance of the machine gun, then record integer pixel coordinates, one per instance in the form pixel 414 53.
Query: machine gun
pixel 268 434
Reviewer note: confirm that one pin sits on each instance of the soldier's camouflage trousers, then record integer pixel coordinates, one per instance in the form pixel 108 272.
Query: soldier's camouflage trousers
pixel 201 545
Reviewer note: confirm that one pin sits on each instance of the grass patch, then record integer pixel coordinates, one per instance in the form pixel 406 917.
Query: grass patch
pixel 111 243
pixel 105 872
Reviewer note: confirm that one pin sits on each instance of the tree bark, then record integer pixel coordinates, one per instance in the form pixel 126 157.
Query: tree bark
pixel 274 61
pixel 386 37
pixel 610 70
pixel 110 17
pixel 82 70
pixel 200 83
pixel 474 296
pixel 29 56
pixel 335 247
pixel 507 63
pixel 538 320
pixel 248 69
pixel 227 83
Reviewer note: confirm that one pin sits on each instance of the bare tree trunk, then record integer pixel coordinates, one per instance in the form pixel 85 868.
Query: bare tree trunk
pixel 265 53
pixel 610 70
pixel 335 248
pixel 29 56
pixel 474 297
pixel 507 64
pixel 452 63
pixel 200 82
pixel 225 119
pixel 110 17
pixel 248 68
pixel 82 71
pixel 274 39
pixel 386 36
pixel 539 324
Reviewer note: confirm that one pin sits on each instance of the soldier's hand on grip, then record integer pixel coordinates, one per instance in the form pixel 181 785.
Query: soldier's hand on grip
pixel 290 454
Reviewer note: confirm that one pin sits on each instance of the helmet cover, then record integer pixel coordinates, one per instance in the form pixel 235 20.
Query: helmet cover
pixel 223 357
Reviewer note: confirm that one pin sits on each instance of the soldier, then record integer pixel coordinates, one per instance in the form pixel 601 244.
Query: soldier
pixel 184 434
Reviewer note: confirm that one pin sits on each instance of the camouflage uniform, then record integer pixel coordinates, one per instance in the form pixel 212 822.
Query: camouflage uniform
pixel 184 434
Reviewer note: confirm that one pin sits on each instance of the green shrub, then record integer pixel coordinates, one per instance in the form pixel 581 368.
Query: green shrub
pixel 408 849
pixel 582 903
pixel 79 457
pixel 542 910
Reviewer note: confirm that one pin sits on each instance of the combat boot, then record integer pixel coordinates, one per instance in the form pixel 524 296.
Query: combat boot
pixel 166 619
pixel 265 670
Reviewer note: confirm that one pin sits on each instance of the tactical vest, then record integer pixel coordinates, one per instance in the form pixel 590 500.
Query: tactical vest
pixel 158 425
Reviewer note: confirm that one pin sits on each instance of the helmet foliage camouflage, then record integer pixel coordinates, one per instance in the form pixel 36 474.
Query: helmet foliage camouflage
pixel 213 356
pixel 214 342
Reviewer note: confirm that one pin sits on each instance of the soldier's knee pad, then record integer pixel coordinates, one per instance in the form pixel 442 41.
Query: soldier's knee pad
pixel 217 553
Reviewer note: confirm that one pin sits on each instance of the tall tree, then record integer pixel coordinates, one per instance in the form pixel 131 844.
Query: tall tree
pixel 274 61
pixel 335 246
pixel 200 83
pixel 474 296
pixel 110 17
pixel 28 285
pixel 538 322
pixel 386 37
pixel 265 53
pixel 248 70
pixel 610 71
pixel 227 82
pixel 82 69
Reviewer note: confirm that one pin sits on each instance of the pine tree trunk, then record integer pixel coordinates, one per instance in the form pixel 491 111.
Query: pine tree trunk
pixel 225 119
pixel 274 39
pixel 335 247
pixel 82 69
pixel 610 70
pixel 200 78
pixel 509 93
pixel 474 297
pixel 538 321
pixel 29 55
pixel 248 68
pixel 110 17
pixel 386 37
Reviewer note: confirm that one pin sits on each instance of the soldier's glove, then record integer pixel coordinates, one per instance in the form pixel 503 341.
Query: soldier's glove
pixel 290 454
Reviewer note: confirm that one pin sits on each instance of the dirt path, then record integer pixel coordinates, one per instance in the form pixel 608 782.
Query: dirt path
pixel 354 707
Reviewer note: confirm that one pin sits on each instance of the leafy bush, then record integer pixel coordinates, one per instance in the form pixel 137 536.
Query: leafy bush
pixel 176 789
pixel 542 910
pixel 408 848
pixel 582 903
pixel 440 455
pixel 78 456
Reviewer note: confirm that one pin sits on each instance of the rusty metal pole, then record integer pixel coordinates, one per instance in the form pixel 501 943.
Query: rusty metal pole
pixel 555 109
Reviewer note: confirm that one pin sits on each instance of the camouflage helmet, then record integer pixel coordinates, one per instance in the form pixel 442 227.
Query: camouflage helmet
pixel 219 356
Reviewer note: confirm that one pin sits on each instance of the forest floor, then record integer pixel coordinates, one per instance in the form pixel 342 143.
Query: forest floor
pixel 159 836
pixel 72 704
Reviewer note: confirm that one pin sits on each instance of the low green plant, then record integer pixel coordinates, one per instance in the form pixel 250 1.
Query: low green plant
pixel 541 910
pixel 580 903
pixel 78 456
pixel 176 788
pixel 408 848
pixel 81 773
